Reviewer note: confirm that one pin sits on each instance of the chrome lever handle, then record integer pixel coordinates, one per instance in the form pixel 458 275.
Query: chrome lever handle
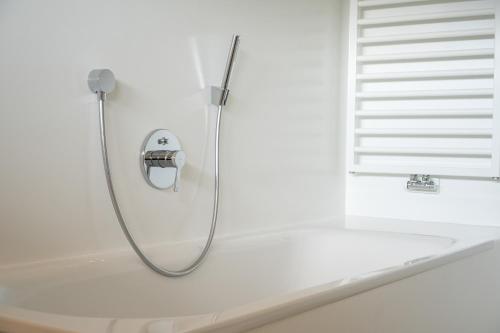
pixel 179 160
pixel 166 159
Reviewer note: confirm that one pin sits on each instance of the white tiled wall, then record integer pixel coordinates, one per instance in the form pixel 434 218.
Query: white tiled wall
pixel 280 162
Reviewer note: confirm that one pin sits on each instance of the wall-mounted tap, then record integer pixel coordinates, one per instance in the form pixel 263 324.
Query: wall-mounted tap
pixel 422 183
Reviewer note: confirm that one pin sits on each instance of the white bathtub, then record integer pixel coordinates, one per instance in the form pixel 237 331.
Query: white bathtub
pixel 245 283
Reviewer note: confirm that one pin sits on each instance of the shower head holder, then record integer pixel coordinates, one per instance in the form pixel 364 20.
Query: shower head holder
pixel 101 81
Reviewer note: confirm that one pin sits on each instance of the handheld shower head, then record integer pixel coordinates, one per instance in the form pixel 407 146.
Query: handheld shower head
pixel 230 61
pixel 229 68
pixel 101 81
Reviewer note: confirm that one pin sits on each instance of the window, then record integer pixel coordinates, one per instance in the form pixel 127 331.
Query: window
pixel 422 89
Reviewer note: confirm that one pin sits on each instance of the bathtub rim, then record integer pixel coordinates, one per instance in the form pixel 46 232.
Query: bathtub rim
pixel 253 314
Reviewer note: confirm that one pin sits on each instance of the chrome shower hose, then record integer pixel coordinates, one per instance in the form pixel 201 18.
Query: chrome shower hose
pixel 160 270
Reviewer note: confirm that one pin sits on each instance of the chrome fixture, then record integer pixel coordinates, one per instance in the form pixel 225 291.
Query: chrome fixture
pixel 229 69
pixel 218 95
pixel 422 183
pixel 101 81
pixel 162 160
pixel 162 157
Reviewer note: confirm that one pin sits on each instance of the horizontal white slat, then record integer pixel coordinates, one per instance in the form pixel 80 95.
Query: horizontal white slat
pixel 443 169
pixel 427 74
pixel 422 151
pixel 427 55
pixel 376 3
pixel 432 132
pixel 426 93
pixel 447 108
pixel 425 113
pixel 427 36
pixel 427 17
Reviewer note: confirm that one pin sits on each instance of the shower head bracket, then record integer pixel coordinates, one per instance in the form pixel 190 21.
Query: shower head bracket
pixel 217 96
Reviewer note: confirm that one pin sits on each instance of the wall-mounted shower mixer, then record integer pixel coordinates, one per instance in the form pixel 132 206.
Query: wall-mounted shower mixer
pixel 162 160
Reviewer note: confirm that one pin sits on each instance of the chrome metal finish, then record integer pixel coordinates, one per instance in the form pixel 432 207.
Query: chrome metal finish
pixel 219 95
pixel 101 81
pixel 230 61
pixel 422 183
pixel 229 69
pixel 215 95
pixel 167 158
pixel 162 159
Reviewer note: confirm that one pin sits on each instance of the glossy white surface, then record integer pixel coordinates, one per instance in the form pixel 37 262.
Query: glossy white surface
pixel 245 281
pixel 459 297
pixel 164 54
pixel 464 201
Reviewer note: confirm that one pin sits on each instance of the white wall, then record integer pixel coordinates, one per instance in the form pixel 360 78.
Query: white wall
pixel 464 201
pixel 280 161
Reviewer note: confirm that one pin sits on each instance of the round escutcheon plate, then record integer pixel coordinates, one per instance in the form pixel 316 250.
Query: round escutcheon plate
pixel 160 139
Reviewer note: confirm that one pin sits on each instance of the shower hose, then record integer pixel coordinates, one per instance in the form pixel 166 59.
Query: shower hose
pixel 160 270
pixel 107 85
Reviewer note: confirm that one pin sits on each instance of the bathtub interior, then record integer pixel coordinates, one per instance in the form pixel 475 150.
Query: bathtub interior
pixel 240 270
